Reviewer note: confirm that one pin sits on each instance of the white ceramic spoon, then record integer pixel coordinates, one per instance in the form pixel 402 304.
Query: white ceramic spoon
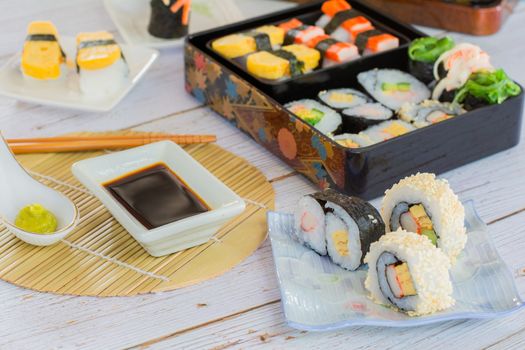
pixel 18 189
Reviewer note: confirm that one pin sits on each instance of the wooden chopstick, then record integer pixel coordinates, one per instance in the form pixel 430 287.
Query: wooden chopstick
pixel 95 143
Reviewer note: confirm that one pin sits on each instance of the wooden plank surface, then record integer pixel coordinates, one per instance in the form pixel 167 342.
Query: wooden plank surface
pixel 240 309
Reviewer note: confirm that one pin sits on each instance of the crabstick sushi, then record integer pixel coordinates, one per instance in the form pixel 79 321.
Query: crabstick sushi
pixel 429 112
pixel 342 22
pixel 408 273
pixel 299 33
pixel 324 119
pixel 358 118
pixel 373 41
pixel 387 130
pixel 289 61
pixel 392 87
pixel 333 51
pixel 263 38
pixel 342 227
pixel 42 56
pixel 427 206
pixel 100 63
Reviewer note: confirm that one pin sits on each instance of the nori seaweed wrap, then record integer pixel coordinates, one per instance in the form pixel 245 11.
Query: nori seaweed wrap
pixel 423 52
pixel 169 18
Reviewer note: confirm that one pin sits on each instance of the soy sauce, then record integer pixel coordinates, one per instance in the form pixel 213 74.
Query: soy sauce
pixel 156 196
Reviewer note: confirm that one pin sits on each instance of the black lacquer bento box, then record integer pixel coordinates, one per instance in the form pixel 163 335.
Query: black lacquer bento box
pixel 256 107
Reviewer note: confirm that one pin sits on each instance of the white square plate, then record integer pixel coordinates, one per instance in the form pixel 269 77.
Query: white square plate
pixel 178 235
pixel 65 92
pixel 131 17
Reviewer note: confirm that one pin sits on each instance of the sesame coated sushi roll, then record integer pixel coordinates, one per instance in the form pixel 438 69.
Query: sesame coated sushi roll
pixel 42 56
pixel 427 206
pixel 343 98
pixel 408 273
pixel 324 119
pixel 359 118
pixel 100 63
pixel 169 18
pixel 429 112
pixel 392 87
pixel 341 226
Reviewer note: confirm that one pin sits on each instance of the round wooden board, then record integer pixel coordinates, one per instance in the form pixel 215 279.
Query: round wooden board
pixel 99 258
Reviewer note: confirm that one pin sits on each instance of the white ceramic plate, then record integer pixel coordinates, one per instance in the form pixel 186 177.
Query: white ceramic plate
pixel 178 235
pixel 131 17
pixel 318 295
pixel 65 92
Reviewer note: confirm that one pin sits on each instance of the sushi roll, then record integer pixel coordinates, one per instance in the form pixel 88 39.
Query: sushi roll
pixel 360 117
pixel 333 51
pixel 342 227
pixel 353 140
pixel 265 38
pixel 486 88
pixel 289 61
pixel 423 53
pixel 392 87
pixel 457 65
pixel 429 112
pixel 407 273
pixel 169 18
pixel 324 119
pixel 387 130
pixel 342 22
pixel 374 40
pixel 100 63
pixel 427 206
pixel 299 33
pixel 42 56
pixel 340 99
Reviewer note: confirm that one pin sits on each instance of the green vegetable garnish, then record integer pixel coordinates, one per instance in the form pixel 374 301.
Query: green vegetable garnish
pixel 37 219
pixel 311 116
pixel 403 87
pixel 429 49
pixel 492 87
pixel 430 234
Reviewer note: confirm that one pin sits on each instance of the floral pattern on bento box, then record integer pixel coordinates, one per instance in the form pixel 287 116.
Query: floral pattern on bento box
pixel 285 135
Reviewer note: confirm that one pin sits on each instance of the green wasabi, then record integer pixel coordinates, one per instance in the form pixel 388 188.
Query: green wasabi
pixel 37 219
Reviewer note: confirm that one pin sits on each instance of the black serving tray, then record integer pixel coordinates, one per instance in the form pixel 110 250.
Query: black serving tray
pixel 256 107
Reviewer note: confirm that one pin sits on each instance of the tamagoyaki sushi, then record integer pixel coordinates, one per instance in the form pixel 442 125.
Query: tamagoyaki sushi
pixel 42 56
pixel 100 64
pixel 342 227
pixel 264 38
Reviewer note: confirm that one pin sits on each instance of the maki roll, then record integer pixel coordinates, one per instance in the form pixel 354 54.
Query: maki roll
pixel 169 18
pixel 342 227
pixel 429 112
pixel 342 22
pixel 290 61
pixel 333 51
pixel 387 130
pixel 265 38
pixel 324 119
pixel 299 33
pixel 359 118
pixel 392 87
pixel 457 65
pixel 340 99
pixel 42 56
pixel 423 52
pixel 374 40
pixel 100 63
pixel 407 273
pixel 353 140
pixel 485 88
pixel 427 206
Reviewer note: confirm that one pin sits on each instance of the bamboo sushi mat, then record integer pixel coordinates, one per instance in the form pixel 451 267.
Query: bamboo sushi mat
pixel 99 258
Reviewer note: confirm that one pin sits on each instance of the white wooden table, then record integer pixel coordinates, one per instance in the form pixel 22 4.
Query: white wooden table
pixel 240 309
